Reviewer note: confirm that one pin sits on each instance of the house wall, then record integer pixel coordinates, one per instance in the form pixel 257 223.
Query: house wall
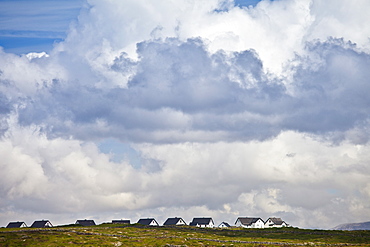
pixel 258 224
pixel 239 224
pixel 208 225
pixel 48 224
pixel 270 224
pixel 180 223
pixel 153 223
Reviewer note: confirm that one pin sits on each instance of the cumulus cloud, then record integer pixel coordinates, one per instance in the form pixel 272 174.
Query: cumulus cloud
pixel 263 107
pixel 177 91
pixel 65 176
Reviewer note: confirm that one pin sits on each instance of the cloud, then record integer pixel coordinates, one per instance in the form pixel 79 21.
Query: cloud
pixel 177 89
pixel 61 176
pixel 42 170
pixel 263 107
pixel 331 88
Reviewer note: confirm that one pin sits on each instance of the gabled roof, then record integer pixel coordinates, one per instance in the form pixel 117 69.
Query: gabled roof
pixel 41 223
pixel 247 221
pixel 276 221
pixel 147 221
pixel 85 222
pixel 201 221
pixel 225 224
pixel 120 221
pixel 172 221
pixel 16 224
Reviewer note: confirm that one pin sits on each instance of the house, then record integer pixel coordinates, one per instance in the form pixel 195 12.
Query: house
pixel 148 222
pixel 249 222
pixel 85 222
pixel 174 222
pixel 121 222
pixel 41 224
pixel 17 224
pixel 202 222
pixel 275 222
pixel 224 225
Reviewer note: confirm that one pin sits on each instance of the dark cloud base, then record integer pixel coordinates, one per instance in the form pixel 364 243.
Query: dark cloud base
pixel 180 87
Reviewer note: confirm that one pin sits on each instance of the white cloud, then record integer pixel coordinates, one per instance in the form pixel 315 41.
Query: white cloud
pixel 33 55
pixel 340 19
pixel 251 178
pixel 264 108
pixel 177 89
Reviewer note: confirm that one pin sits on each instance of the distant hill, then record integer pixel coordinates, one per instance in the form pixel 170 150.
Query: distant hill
pixel 353 226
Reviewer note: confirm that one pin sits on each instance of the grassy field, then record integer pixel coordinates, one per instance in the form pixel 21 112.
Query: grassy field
pixel 135 235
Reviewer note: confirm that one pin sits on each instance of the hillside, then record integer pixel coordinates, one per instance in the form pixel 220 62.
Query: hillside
pixel 353 226
pixel 135 235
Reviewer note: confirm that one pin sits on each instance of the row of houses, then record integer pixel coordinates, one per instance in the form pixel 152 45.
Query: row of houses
pixel 246 222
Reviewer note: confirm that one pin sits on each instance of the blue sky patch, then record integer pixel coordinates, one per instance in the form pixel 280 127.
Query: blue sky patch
pixel 246 3
pixel 120 151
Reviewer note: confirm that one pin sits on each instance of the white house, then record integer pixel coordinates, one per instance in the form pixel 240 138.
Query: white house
pixel 275 222
pixel 248 222
pixel 148 222
pixel 202 222
pixel 41 224
pixel 174 222
pixel 224 225
pixel 17 224
pixel 85 222
pixel 121 222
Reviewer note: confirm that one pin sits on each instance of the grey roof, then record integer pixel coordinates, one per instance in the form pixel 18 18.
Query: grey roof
pixel 277 221
pixel 247 221
pixel 201 221
pixel 41 223
pixel 172 221
pixel 121 222
pixel 16 224
pixel 86 222
pixel 147 221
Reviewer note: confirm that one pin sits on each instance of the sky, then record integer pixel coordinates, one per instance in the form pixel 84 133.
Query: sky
pixel 128 109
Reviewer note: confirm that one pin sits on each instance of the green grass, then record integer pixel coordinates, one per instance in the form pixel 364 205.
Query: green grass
pixel 136 235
